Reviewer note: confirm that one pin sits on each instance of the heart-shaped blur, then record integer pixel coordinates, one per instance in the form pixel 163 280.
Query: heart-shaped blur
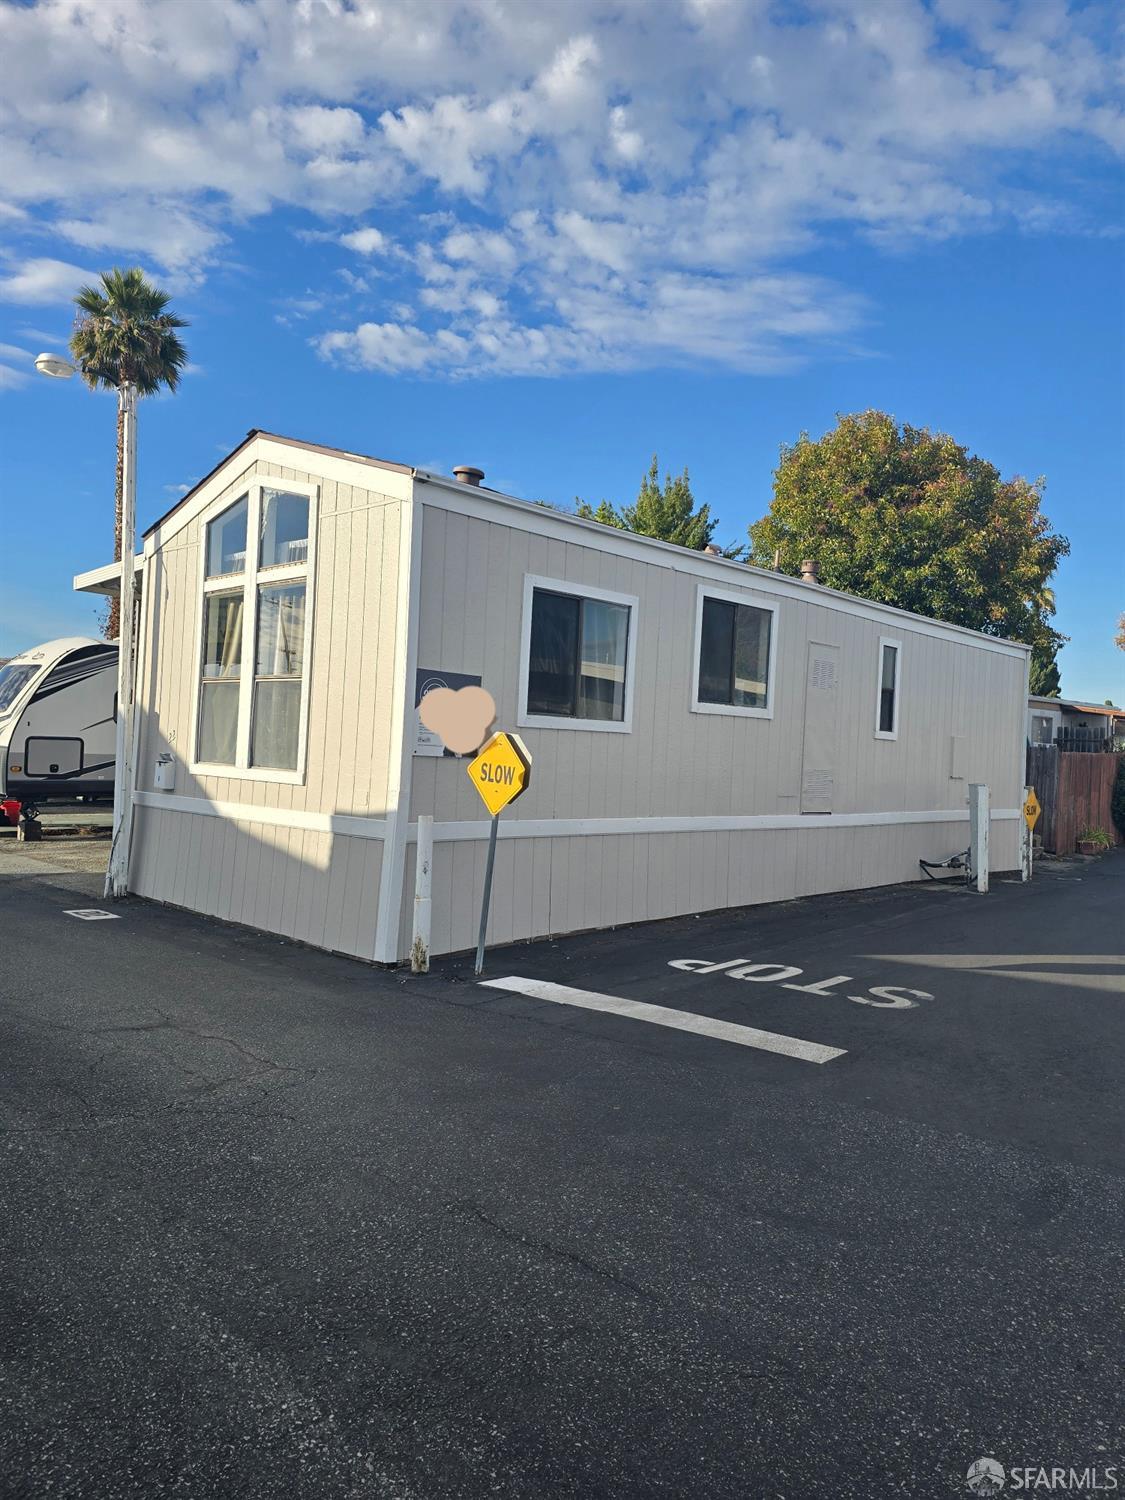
pixel 462 718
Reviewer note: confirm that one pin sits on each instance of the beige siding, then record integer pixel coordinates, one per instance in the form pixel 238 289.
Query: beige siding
pixel 314 884
pixel 314 879
pixel 320 887
pixel 350 662
pixel 676 763
pixel 555 885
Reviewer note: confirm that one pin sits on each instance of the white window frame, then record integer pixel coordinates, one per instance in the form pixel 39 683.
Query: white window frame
pixel 752 601
pixel 250 580
pixel 892 733
pixel 527 720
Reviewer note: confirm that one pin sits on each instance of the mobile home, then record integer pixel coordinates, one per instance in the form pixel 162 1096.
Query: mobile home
pixel 704 734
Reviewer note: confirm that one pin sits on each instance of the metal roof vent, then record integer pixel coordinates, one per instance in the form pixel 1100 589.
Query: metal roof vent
pixel 808 571
pixel 467 474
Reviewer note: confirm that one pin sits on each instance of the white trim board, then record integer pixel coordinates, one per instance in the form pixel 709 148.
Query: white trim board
pixel 400 770
pixel 555 828
pixel 353 825
pixel 271 450
pixel 356 826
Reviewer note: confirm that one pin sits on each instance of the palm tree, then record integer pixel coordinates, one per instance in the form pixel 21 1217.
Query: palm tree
pixel 124 334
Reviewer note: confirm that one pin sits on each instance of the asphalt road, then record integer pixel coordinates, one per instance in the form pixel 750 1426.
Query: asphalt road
pixel 277 1224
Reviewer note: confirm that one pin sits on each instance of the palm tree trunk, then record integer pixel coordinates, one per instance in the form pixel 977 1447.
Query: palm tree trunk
pixel 113 618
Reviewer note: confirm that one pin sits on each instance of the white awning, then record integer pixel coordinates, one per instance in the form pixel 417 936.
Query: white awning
pixel 107 578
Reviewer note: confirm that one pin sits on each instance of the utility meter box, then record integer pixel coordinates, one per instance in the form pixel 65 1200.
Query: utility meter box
pixel 164 779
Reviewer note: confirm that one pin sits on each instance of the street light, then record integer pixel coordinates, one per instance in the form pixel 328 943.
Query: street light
pixel 54 365
pixel 117 873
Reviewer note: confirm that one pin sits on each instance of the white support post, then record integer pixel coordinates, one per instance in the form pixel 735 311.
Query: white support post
pixel 978 834
pixel 117 873
pixel 423 877
pixel 1027 841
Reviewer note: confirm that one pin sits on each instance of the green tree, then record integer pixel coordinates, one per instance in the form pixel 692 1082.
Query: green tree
pixel 1044 679
pixel 911 518
pixel 124 332
pixel 668 512
pixel 1119 638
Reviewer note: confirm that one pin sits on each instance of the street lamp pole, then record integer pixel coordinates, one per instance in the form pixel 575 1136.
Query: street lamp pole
pixel 117 873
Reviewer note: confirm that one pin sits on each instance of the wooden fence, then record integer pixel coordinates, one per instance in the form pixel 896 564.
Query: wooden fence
pixel 1074 790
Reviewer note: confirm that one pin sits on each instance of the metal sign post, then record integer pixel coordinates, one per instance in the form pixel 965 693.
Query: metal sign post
pixel 478 966
pixel 501 772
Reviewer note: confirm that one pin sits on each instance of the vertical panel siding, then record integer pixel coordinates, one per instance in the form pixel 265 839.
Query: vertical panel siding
pixel 679 763
pixel 321 888
pixel 313 885
pixel 683 764
pixel 350 660
pixel 549 886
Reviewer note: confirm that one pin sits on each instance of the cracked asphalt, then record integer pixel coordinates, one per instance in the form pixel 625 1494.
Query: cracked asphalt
pixel 276 1223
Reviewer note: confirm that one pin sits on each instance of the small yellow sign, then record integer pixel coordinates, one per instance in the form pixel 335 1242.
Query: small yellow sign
pixel 501 771
pixel 1031 809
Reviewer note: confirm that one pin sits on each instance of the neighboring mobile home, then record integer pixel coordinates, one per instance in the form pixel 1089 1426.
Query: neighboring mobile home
pixel 1073 725
pixel 704 734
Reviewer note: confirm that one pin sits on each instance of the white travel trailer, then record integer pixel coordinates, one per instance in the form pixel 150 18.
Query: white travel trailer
pixel 704 734
pixel 58 725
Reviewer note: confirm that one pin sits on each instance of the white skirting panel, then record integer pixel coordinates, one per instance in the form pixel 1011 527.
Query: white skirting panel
pixel 313 878
pixel 552 885
pixel 318 885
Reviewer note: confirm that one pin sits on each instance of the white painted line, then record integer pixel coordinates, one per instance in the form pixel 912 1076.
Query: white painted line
pixel 92 914
pixel 678 1020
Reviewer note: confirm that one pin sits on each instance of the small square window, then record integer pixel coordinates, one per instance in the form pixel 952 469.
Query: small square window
pixel 735 641
pixel 578 657
pixel 226 541
pixel 284 529
pixel 577 649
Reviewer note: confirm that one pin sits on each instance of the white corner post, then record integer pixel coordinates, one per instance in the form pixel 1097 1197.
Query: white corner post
pixel 1027 840
pixel 978 834
pixel 423 875
pixel 117 874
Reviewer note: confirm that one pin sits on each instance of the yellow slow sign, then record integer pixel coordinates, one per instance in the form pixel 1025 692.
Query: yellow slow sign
pixel 1031 809
pixel 501 771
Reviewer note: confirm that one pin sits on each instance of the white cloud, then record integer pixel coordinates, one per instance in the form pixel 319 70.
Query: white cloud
pixel 368 241
pixel 11 379
pixel 604 182
pixel 12 351
pixel 43 280
pixel 760 324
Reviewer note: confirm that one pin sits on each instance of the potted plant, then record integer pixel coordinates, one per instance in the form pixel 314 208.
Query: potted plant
pixel 1093 840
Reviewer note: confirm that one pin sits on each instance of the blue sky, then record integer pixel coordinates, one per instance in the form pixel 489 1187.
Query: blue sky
pixel 552 239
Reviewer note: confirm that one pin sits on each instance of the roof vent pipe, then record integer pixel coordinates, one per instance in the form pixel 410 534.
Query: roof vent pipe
pixel 808 571
pixel 467 474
